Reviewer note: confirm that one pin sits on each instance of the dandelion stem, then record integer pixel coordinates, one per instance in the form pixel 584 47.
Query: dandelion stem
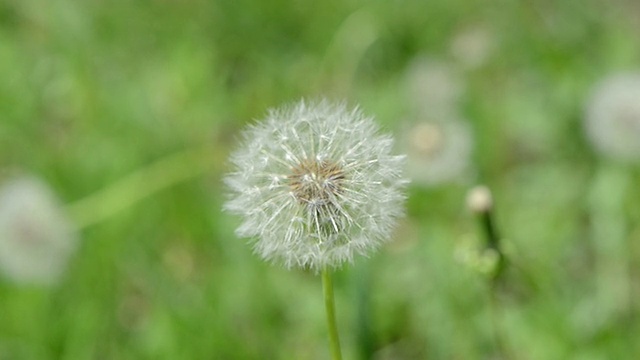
pixel 493 242
pixel 480 201
pixel 493 239
pixel 139 185
pixel 329 304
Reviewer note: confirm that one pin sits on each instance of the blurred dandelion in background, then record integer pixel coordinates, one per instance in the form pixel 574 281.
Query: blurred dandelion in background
pixel 612 119
pixel 612 125
pixel 472 46
pixel 433 88
pixel 438 151
pixel 316 183
pixel 36 238
pixel 438 143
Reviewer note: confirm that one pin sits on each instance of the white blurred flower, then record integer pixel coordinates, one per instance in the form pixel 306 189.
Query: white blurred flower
pixel 36 239
pixel 316 184
pixel 472 46
pixel 613 117
pixel 437 151
pixel 433 88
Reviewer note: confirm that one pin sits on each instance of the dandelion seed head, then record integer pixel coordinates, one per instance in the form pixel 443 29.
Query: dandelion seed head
pixel 36 239
pixel 433 87
pixel 315 184
pixel 438 151
pixel 612 120
pixel 427 138
pixel 473 46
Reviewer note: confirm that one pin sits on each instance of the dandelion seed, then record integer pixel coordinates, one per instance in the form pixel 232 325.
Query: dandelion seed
pixel 36 240
pixel 315 184
pixel 613 117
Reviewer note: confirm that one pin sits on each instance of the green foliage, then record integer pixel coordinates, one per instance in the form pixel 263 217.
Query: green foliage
pixel 91 91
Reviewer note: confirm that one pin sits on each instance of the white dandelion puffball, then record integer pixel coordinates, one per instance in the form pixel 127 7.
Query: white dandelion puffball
pixel 472 47
pixel 433 88
pixel 438 151
pixel 613 117
pixel 36 240
pixel 315 184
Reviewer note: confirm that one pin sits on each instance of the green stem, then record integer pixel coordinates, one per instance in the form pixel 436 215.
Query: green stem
pixel 491 233
pixel 492 240
pixel 329 304
pixel 139 185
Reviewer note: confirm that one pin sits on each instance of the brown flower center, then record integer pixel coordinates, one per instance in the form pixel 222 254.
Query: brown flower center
pixel 316 181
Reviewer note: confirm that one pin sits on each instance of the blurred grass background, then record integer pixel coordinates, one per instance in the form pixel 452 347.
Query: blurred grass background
pixel 91 91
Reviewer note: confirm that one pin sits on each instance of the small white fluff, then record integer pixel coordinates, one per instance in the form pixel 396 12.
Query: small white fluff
pixel 612 120
pixel 36 239
pixel 315 184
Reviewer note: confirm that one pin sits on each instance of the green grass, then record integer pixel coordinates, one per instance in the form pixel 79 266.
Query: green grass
pixel 92 91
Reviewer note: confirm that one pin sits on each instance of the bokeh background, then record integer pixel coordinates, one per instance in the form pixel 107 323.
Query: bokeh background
pixel 92 91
